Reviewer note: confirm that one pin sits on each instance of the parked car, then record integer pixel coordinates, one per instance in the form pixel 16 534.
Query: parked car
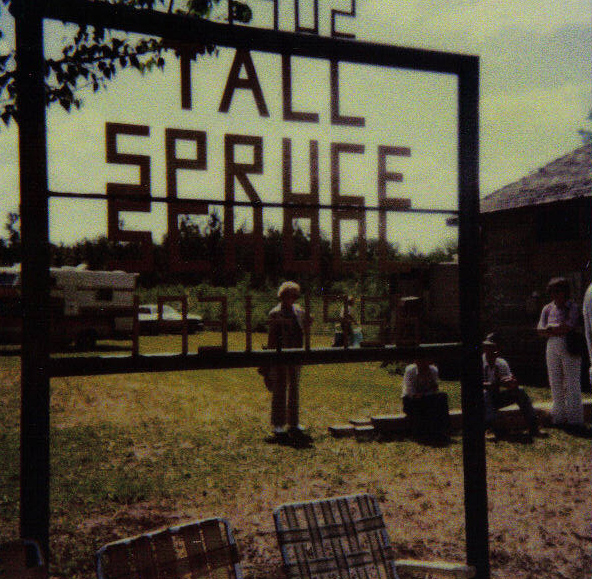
pixel 149 323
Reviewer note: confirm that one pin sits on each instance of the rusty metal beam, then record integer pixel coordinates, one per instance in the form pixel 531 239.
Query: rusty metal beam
pixel 34 467
pixel 219 359
pixel 197 201
pixel 475 471
pixel 37 367
pixel 188 29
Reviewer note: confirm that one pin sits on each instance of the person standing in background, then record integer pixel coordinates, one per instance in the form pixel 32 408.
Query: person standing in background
pixel 347 330
pixel 558 318
pixel 286 330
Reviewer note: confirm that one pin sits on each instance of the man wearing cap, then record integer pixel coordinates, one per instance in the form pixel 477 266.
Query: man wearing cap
pixel 500 388
pixel 286 330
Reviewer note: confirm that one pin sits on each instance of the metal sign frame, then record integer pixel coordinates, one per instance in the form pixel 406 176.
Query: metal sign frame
pixel 37 365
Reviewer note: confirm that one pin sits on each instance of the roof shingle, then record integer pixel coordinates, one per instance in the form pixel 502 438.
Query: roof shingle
pixel 568 177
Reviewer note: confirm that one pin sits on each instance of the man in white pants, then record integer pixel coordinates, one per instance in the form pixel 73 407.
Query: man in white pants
pixel 559 317
pixel 587 312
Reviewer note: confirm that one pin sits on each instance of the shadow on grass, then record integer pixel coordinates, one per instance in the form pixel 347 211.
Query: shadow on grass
pixel 515 437
pixel 584 431
pixel 575 430
pixel 431 441
pixel 297 444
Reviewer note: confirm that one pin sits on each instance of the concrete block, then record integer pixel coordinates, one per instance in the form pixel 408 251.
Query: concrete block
pixel 364 433
pixel 389 423
pixel 362 421
pixel 341 430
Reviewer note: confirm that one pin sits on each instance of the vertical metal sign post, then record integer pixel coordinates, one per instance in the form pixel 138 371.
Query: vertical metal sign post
pixel 475 474
pixel 34 466
pixel 38 368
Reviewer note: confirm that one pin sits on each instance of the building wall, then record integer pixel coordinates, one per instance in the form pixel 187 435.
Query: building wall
pixel 437 286
pixel 522 250
pixel 442 308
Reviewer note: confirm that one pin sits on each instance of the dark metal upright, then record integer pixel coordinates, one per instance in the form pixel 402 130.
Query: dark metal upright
pixel 34 468
pixel 36 368
pixel 475 474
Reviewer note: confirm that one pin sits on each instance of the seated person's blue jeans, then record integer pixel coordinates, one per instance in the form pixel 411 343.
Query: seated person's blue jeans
pixel 428 414
pixel 506 397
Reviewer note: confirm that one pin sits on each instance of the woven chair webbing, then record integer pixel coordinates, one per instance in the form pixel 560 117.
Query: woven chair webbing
pixel 187 551
pixel 330 531
pixel 334 537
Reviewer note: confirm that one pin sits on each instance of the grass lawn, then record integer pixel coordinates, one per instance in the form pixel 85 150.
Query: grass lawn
pixel 135 452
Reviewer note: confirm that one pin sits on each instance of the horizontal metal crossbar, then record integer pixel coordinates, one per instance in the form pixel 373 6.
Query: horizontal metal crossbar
pixel 268 204
pixel 187 29
pixel 213 359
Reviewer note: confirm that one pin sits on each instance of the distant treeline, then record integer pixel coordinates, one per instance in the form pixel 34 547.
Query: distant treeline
pixel 207 242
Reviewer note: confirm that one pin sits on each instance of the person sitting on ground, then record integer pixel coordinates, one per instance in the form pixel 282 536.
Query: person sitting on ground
pixel 500 389
pixel 425 406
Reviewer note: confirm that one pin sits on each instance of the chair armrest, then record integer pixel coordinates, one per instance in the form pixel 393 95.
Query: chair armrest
pixel 436 568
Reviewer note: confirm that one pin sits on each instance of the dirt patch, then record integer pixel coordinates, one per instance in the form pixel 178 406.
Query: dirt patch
pixel 198 462
pixel 539 514
pixel 540 519
pixel 131 520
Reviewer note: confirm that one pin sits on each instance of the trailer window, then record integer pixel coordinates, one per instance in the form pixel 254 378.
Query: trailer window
pixel 104 294
pixel 8 279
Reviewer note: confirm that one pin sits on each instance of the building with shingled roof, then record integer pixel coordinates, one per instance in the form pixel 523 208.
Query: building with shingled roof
pixel 534 229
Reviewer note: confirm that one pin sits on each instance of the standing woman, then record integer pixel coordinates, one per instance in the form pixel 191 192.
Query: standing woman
pixel 559 317
pixel 287 322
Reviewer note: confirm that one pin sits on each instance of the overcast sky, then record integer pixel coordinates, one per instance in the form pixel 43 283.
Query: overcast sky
pixel 535 95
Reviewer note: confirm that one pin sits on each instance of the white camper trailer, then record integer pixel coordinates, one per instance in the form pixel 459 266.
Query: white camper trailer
pixel 85 305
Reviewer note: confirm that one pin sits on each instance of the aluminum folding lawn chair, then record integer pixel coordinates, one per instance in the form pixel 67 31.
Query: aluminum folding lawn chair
pixel 22 559
pixel 345 538
pixel 189 551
